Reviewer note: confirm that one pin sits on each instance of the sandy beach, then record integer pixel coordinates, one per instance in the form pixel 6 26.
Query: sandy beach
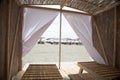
pixel 47 53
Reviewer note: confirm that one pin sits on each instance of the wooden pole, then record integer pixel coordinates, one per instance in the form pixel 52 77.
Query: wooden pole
pixel 14 44
pixel 21 27
pixel 7 42
pixel 115 36
pixel 60 38
pixel 101 43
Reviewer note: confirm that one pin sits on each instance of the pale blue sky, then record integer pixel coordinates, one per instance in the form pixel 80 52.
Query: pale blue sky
pixel 53 30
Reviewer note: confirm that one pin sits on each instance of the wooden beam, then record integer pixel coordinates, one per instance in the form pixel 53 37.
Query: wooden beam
pixel 115 38
pixel 14 45
pixel 30 6
pixel 20 30
pixel 100 39
pixel 107 8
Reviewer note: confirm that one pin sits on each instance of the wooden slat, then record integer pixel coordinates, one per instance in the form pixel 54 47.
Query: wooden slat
pixel 42 72
pixel 75 77
pixel 87 76
pixel 100 71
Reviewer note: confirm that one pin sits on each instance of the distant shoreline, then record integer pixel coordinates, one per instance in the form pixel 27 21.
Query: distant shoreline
pixel 64 43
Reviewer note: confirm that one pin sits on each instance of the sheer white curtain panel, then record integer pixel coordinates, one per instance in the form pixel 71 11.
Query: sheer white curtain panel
pixel 35 22
pixel 81 24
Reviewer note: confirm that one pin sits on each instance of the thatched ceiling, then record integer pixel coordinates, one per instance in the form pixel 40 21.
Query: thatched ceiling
pixel 89 6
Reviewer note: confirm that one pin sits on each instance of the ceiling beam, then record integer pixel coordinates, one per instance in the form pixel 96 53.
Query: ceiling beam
pixel 29 6
pixel 107 8
pixel 89 3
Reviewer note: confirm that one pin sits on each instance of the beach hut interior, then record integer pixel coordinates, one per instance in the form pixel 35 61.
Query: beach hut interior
pixel 95 22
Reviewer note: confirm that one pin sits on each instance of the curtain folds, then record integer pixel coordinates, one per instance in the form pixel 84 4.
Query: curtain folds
pixel 81 24
pixel 35 22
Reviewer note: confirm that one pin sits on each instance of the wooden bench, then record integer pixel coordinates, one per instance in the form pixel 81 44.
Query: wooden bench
pixel 75 77
pixel 42 72
pixel 84 76
pixel 99 71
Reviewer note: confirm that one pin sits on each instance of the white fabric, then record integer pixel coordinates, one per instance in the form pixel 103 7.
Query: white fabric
pixel 81 24
pixel 35 22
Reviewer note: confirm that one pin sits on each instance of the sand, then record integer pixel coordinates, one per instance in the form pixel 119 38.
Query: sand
pixel 47 53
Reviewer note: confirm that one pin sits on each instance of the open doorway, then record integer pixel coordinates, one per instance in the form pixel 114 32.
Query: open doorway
pixel 46 49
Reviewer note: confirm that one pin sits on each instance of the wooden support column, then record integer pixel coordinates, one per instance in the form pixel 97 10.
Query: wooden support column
pixel 7 41
pixel 60 34
pixel 20 30
pixel 60 38
pixel 115 36
pixel 100 39
pixel 14 45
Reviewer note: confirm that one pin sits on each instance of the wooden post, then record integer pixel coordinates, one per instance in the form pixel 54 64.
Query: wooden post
pixel 14 45
pixel 115 35
pixel 7 41
pixel 60 38
pixel 20 52
pixel 61 6
pixel 101 43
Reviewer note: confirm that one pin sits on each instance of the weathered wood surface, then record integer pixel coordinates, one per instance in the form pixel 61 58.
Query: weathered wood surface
pixel 8 15
pixel 75 77
pixel 108 24
pixel 105 26
pixel 3 28
pixel 100 71
pixel 14 46
pixel 118 37
pixel 42 72
pixel 84 76
pixel 89 6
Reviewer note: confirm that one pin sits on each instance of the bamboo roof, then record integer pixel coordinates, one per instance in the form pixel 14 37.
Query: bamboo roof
pixel 89 6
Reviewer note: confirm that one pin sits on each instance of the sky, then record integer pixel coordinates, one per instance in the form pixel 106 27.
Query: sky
pixel 54 29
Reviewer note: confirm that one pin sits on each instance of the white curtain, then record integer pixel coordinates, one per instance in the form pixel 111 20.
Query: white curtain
pixel 35 22
pixel 81 24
